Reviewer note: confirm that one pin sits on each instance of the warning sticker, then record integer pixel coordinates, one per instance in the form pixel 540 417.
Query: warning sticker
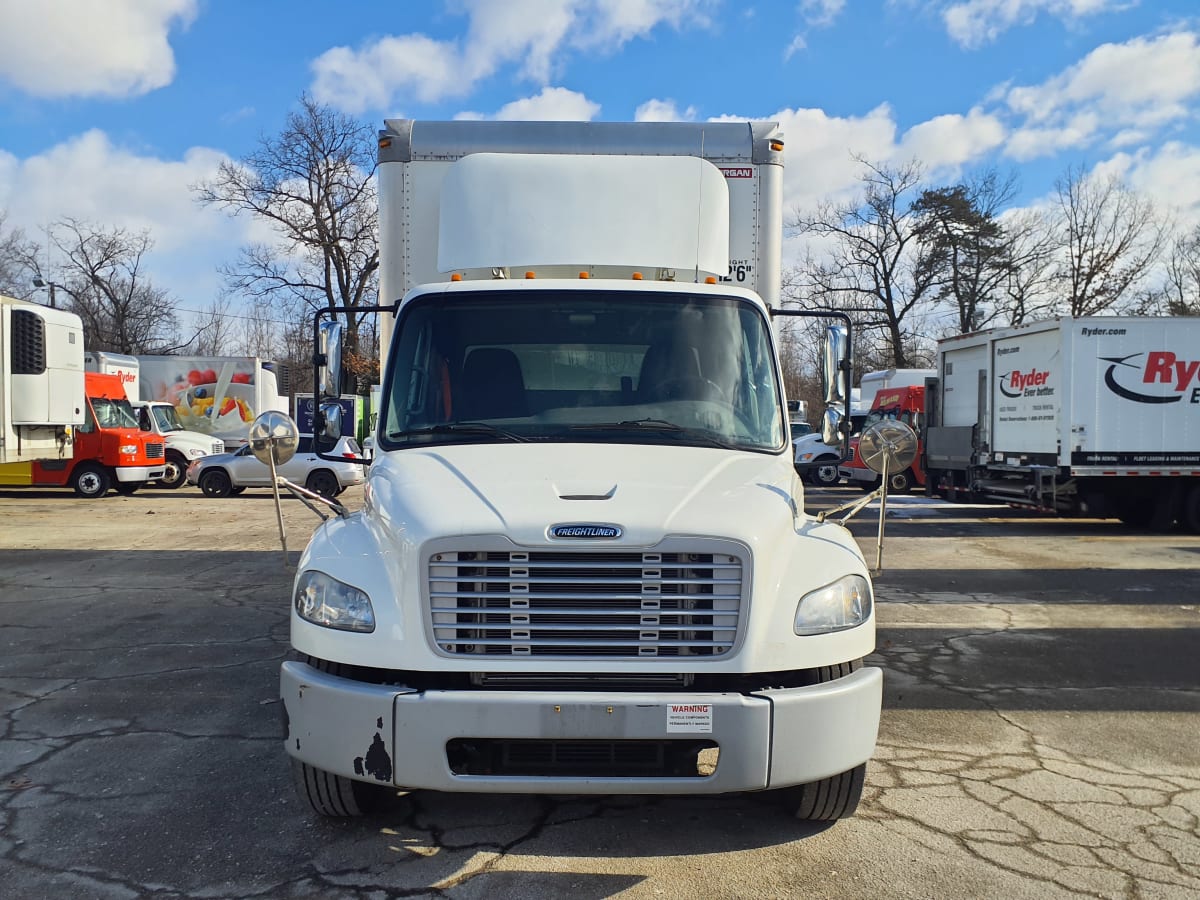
pixel 689 717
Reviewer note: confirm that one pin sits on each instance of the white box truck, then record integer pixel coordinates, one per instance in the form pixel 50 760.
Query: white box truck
pixel 1094 416
pixel 218 396
pixel 156 417
pixel 584 564
pixel 41 381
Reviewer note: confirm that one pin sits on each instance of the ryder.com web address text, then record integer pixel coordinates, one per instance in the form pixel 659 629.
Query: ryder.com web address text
pixel 1102 332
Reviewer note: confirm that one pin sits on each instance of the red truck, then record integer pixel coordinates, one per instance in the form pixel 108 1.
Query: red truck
pixel 906 404
pixel 109 450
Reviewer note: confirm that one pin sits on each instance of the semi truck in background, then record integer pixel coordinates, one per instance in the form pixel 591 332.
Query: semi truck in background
pixel 1092 416
pixel 899 395
pixel 156 417
pixel 217 396
pixel 41 381
pixel 585 566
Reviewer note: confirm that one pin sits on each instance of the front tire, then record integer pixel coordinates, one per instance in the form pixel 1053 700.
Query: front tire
pixel 829 799
pixel 216 483
pixel 901 482
pixel 825 475
pixel 176 472
pixel 837 796
pixel 91 481
pixel 336 796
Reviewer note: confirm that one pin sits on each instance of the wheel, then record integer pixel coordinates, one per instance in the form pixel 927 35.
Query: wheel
pixel 824 475
pixel 176 474
pixel 128 488
pixel 91 480
pixel 334 795
pixel 323 482
pixel 1153 511
pixel 233 492
pixel 901 482
pixel 830 798
pixel 867 486
pixel 1189 515
pixel 216 483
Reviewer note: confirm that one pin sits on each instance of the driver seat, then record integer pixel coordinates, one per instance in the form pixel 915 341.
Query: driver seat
pixel 667 368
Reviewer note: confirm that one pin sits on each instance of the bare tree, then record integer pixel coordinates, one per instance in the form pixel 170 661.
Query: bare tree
pixel 966 245
pixel 214 327
pixel 1112 238
pixel 876 264
pixel 104 283
pixel 313 183
pixel 15 253
pixel 1029 286
pixel 1179 294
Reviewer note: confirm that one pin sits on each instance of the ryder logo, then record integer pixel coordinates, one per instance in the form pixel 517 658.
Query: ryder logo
pixel 1160 367
pixel 1025 384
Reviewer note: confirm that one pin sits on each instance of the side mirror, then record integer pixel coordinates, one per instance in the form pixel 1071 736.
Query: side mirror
pixel 274 438
pixel 330 430
pixel 831 426
pixel 329 346
pixel 835 368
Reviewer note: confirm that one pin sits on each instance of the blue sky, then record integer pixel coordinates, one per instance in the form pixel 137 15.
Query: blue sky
pixel 111 109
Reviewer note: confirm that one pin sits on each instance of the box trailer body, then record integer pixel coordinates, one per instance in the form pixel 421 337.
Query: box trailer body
pixel 1088 416
pixel 217 396
pixel 584 564
pixel 108 450
pixel 41 381
pixel 156 417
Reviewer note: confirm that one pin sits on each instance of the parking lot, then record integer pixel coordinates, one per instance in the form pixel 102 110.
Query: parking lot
pixel 1040 735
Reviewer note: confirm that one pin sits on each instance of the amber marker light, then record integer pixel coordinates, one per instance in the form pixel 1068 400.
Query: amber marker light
pixel 637 276
pixel 457 276
pixel 530 275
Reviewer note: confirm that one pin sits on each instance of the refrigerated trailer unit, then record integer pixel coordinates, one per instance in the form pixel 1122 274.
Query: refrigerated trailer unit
pixel 1095 416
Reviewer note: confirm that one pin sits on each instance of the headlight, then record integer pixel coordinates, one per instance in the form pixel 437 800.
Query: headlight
pixel 837 606
pixel 128 449
pixel 196 453
pixel 331 603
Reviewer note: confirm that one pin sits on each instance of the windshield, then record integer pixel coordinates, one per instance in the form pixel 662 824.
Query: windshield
pixel 583 366
pixel 166 418
pixel 113 413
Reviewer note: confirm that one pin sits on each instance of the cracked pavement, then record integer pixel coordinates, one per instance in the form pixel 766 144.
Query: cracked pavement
pixel 1039 737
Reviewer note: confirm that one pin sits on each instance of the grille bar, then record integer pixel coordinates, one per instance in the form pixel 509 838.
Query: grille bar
pixel 580 603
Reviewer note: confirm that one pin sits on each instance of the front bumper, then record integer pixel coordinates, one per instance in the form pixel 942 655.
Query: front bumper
pixel 140 473
pixel 857 474
pixel 394 734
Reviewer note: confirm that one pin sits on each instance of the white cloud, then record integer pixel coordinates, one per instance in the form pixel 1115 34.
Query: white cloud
pixel 114 48
pixel 663 111
pixel 953 140
pixel 91 179
pixel 552 104
pixel 973 23
pixel 821 13
pixel 1100 94
pixel 530 34
pixel 1170 176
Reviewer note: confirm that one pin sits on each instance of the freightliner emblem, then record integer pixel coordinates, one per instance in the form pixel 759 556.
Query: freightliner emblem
pixel 585 531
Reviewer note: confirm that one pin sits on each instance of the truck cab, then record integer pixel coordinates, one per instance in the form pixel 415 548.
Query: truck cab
pixel 182 446
pixel 903 404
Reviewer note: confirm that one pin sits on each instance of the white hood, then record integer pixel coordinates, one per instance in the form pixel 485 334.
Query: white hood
pixel 520 490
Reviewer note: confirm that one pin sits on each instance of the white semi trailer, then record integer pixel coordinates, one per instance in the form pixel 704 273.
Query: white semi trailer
pixel 1095 416
pixel 583 564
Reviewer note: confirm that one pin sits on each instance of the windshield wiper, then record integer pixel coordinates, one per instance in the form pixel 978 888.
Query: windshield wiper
pixel 461 428
pixel 660 425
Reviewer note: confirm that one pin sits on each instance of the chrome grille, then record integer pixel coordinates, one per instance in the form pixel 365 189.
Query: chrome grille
pixel 218 447
pixel 585 603
pixel 154 451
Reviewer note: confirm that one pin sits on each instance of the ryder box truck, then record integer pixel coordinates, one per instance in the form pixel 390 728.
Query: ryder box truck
pixel 583 564
pixel 1095 416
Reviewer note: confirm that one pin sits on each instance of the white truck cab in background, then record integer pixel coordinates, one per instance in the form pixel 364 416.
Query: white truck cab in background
pixel 156 417
pixel 583 563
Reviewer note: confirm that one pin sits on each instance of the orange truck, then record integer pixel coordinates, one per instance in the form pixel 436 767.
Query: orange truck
pixel 108 450
pixel 905 404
